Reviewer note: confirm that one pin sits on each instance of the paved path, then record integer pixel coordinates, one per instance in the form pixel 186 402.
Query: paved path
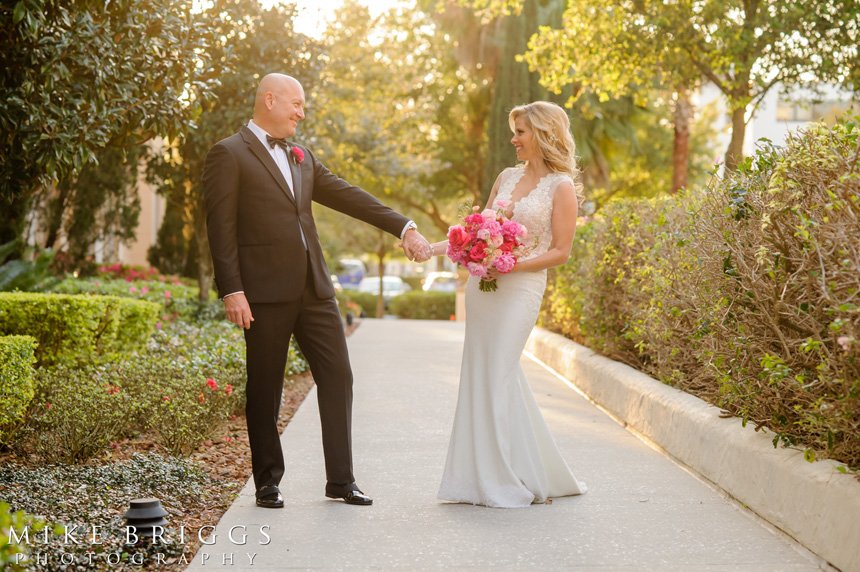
pixel 642 511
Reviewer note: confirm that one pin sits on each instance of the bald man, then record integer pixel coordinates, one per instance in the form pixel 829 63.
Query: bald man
pixel 269 269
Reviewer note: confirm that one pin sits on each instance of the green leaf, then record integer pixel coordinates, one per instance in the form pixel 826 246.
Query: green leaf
pixel 19 12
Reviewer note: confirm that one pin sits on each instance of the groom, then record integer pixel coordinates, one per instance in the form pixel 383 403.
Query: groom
pixel 270 272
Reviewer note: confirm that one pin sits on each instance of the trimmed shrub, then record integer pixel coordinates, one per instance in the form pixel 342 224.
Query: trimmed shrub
pixel 77 329
pixel 75 415
pixel 175 298
pixel 190 378
pixel 747 295
pixel 17 386
pixel 365 300
pixel 420 305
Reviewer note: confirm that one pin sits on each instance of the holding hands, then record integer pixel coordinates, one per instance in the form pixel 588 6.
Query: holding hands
pixel 415 246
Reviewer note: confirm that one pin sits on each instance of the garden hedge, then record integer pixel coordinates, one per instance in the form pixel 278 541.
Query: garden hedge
pixel 420 305
pixel 77 329
pixel 746 293
pixel 17 383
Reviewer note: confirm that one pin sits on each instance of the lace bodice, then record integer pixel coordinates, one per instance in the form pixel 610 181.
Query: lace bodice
pixel 534 210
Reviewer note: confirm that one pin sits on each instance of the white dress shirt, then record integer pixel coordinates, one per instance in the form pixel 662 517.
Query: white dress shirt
pixel 278 153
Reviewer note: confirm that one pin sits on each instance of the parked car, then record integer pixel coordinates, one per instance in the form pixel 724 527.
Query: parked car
pixel 392 286
pixel 440 282
pixel 351 272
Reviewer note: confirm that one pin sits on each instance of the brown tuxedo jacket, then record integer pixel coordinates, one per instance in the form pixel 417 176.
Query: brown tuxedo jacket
pixel 254 221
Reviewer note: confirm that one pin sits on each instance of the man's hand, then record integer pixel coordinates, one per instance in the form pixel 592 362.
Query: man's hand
pixel 238 310
pixel 415 246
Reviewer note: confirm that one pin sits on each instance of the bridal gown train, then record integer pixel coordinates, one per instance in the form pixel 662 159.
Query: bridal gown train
pixel 501 453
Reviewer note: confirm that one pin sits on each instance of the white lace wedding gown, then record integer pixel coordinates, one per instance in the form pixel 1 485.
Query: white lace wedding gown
pixel 501 453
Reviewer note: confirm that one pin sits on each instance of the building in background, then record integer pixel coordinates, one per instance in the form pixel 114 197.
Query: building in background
pixel 779 113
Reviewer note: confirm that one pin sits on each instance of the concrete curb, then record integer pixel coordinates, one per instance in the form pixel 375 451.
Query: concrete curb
pixel 812 502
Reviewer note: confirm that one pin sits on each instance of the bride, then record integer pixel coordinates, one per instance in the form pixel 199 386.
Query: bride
pixel 501 453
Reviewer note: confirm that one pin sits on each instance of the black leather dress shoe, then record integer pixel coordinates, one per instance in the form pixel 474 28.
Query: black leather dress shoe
pixel 352 497
pixel 270 497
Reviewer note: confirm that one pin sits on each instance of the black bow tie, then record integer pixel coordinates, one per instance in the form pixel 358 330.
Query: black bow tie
pixel 277 141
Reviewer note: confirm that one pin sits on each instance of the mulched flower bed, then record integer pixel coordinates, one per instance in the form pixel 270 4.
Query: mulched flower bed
pixel 195 491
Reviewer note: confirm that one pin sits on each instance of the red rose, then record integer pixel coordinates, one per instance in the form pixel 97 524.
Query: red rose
pixel 507 246
pixel 479 251
pixel 298 154
pixel 458 237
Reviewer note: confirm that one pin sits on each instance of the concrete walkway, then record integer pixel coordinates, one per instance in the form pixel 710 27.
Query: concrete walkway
pixel 642 511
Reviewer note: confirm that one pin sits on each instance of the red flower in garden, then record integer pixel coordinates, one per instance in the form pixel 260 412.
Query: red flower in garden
pixel 165 398
pixel 212 384
pixel 228 389
pixel 298 154
pixel 201 398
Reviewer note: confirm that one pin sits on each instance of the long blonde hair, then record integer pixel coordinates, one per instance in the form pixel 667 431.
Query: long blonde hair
pixel 551 127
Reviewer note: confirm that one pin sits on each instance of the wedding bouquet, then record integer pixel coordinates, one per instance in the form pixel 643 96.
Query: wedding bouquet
pixel 485 242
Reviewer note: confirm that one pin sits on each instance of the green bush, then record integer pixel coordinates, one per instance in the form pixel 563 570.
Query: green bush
pixel 365 300
pixel 420 305
pixel 75 415
pixel 190 378
pixel 745 294
pixel 77 329
pixel 176 299
pixel 13 556
pixel 16 381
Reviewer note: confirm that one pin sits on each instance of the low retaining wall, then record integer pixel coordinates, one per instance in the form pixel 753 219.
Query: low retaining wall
pixel 812 502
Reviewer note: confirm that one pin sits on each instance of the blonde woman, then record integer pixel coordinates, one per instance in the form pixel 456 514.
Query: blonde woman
pixel 501 453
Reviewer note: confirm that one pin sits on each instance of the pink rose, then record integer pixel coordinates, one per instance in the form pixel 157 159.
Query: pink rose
pixel 505 263
pixel 458 236
pixel 478 252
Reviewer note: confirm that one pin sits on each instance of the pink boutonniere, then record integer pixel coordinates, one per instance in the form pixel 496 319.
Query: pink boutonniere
pixel 298 154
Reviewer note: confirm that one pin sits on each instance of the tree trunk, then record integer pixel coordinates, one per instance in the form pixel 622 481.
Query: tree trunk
pixel 205 268
pixel 735 152
pixel 380 301
pixel 681 152
pixel 56 210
